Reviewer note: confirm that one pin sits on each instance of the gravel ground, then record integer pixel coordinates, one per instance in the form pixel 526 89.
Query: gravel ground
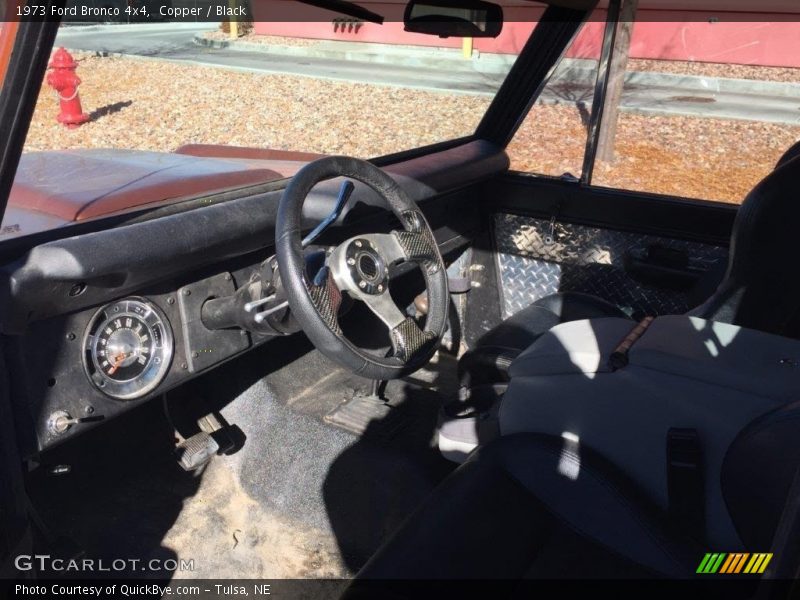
pixel 783 74
pixel 159 106
pixel 713 159
pixel 155 105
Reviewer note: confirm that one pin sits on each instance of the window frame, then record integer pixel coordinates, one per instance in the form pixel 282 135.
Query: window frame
pixel 22 80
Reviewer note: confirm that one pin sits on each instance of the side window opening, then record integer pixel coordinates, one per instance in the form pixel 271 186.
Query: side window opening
pixel 551 139
pixel 706 118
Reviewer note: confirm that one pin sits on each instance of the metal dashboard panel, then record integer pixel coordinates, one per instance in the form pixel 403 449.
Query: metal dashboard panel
pixel 536 258
pixel 206 347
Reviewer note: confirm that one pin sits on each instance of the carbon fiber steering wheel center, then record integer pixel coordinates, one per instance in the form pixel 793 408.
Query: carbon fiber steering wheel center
pixel 366 266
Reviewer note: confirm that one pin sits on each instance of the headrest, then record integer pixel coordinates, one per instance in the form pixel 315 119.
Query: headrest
pixel 790 154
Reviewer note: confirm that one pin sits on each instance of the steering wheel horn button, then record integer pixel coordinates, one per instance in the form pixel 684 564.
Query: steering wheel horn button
pixel 366 267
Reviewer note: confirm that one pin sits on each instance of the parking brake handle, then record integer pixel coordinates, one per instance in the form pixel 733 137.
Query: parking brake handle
pixel 344 195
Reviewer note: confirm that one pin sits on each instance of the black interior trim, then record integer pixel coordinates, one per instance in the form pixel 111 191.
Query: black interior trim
pixel 395 157
pixel 14 533
pixel 14 248
pixel 600 90
pixel 666 216
pixel 38 284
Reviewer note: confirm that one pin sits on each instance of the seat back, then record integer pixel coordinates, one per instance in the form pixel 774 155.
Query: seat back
pixel 761 288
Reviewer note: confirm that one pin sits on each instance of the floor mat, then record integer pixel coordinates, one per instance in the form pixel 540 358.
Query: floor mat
pixel 355 487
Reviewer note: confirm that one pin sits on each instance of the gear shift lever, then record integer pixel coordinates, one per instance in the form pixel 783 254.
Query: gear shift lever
pixel 344 195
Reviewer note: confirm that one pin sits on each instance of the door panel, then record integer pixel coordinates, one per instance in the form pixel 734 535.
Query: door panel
pixel 536 258
pixel 649 255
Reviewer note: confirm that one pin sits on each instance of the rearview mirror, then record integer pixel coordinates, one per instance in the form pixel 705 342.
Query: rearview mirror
pixel 454 18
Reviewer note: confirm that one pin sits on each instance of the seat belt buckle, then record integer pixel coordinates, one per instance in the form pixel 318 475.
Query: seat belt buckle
pixel 686 481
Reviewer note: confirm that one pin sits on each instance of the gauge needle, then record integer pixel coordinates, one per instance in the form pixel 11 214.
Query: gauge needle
pixel 116 361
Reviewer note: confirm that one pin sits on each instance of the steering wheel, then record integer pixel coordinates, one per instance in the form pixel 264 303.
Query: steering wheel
pixel 359 267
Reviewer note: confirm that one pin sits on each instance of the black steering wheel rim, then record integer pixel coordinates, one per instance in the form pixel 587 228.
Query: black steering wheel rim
pixel 314 304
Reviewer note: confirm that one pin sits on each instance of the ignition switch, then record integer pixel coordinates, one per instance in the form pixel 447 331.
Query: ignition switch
pixel 60 421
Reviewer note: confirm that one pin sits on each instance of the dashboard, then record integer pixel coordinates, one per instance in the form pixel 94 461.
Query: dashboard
pixel 98 323
pixel 80 369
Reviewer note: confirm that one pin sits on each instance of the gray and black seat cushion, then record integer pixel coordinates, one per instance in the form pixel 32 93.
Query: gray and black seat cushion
pixel 489 361
pixel 760 289
pixel 525 505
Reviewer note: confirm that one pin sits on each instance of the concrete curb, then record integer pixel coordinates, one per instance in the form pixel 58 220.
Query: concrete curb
pixel 407 56
pixel 201 40
pixel 583 71
pixel 571 71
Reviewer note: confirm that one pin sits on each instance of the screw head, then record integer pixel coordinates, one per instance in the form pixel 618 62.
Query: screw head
pixel 184 366
pixel 380 288
pixel 195 354
pixel 351 261
pixel 362 284
pixel 77 289
pixel 170 300
pixel 187 292
pixel 70 336
pixel 359 244
pixel 89 409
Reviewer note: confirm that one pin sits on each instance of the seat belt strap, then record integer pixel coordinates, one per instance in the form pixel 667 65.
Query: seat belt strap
pixel 619 357
pixel 686 482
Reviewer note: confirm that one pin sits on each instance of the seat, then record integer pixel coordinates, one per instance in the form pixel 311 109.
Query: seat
pixel 759 289
pixel 530 505
pixel 488 362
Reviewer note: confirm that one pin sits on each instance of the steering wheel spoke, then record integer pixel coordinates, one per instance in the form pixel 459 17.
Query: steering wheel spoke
pixel 384 308
pixel 326 298
pixel 408 339
pixel 387 245
pixel 417 242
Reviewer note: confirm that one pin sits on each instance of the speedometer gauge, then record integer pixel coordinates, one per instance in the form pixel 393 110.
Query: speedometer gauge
pixel 127 348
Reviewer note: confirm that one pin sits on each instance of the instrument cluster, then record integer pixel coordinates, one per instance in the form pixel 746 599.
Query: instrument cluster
pixel 127 348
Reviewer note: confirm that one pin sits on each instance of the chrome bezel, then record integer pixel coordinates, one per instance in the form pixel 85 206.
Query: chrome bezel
pixel 160 358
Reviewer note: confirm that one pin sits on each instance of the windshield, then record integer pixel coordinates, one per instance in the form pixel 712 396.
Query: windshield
pixel 172 107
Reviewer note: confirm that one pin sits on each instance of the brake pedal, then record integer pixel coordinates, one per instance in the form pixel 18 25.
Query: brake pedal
pixel 196 451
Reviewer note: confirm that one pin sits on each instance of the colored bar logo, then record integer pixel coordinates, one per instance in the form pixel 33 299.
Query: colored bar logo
pixel 732 563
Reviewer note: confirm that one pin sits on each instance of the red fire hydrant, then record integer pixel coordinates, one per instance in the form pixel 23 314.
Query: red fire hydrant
pixel 65 82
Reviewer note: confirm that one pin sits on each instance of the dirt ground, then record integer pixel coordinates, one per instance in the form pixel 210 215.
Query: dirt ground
pixel 156 105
